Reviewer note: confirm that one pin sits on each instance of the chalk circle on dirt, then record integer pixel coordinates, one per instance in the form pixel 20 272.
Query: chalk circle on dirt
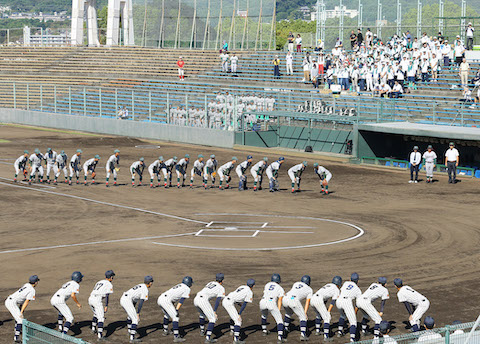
pixel 265 232
pixel 147 146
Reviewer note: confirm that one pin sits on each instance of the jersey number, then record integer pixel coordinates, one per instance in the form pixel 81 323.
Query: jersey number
pixel 98 286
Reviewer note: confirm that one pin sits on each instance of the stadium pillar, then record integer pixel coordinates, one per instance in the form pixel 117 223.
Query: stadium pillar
pixel 113 22
pixel 78 8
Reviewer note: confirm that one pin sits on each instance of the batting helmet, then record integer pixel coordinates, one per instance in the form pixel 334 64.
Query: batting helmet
pixel 219 277
pixel 62 152
pixel 33 279
pixel 398 282
pixel 77 276
pixel 148 279
pixel 429 322
pixel 251 282
pixel 109 274
pixel 337 280
pixel 276 278
pixel 188 281
pixel 306 279
pixel 382 280
pixel 354 277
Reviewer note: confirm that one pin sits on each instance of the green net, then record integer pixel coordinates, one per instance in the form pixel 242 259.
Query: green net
pixel 37 334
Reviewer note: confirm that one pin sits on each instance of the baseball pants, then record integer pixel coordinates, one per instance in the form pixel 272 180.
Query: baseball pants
pixel 36 169
pixel 369 311
pixel 51 167
pixel 269 174
pixel 232 311
pixel 270 306
pixel 59 170
pixel 18 170
pixel 234 68
pixel 113 171
pixel 429 169
pixel 293 306
pixel 85 170
pixel 419 312
pixel 293 178
pixel 129 307
pixel 180 173
pixel 73 170
pixel 194 172
pixel 97 307
pixel 319 305
pixel 452 170
pixel 181 72
pixel 62 308
pixel 153 173
pixel 204 308
pixel 289 69
pixel 14 310
pixel 134 172
pixel 168 308
pixel 221 175
pixel 347 311
pixel 207 172
pixel 256 177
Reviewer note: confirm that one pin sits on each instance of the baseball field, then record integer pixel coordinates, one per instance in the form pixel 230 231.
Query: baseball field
pixel 373 222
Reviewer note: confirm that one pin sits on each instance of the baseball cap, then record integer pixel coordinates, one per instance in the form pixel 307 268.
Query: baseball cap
pixel 234 158
pixel 33 279
pixel 97 156
pixel 148 279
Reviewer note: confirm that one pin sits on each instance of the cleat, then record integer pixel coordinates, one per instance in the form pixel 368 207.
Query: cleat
pixel 70 183
pixel 339 334
pixel 15 180
pixel 55 182
pixel 260 188
pixel 326 192
pixel 166 332
pixel 318 333
pixel 151 186
pixel 265 333
pixel 293 190
pixel 77 181
pixel 178 340
pixel 202 332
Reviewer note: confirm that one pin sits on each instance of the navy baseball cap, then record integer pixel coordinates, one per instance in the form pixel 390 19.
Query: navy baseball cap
pixel 33 279
pixel 148 279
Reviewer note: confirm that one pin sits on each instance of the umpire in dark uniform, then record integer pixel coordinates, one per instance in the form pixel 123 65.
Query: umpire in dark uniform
pixel 452 157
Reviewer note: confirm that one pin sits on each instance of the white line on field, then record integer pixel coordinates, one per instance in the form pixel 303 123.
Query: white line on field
pixel 95 243
pixel 199 232
pixel 209 224
pixel 105 203
pixel 255 234
pixel 265 225
pixel 26 183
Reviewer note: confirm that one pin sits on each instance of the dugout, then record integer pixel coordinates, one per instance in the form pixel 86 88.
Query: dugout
pixel 396 140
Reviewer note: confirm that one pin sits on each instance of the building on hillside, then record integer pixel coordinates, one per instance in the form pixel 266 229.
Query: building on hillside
pixel 336 13
pixel 44 38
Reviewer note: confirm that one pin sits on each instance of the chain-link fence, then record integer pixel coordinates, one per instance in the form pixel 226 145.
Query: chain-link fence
pixel 37 334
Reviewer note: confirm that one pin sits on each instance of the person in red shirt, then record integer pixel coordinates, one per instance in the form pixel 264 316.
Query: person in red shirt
pixel 180 64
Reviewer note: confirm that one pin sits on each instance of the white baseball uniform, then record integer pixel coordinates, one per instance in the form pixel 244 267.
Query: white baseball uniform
pixel 349 292
pixel 328 291
pixel 20 163
pixel 167 300
pixel 51 158
pixel 154 169
pixel 269 302
pixel 197 168
pixel 212 290
pixel 181 168
pixel 323 173
pixel 292 302
pixel 14 301
pixel 59 299
pixel 272 170
pixel 430 158
pixel 225 170
pixel 137 168
pixel 209 168
pixel 100 291
pixel 242 294
pixel 431 338
pixel 257 170
pixel 89 165
pixel 364 302
pixel 296 172
pixel 36 163
pixel 167 168
pixel 75 163
pixel 241 168
pixel 110 166
pixel 421 303
pixel 130 298
pixel 62 165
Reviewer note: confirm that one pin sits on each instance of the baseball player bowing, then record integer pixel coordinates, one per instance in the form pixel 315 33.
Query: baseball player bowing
pixel 154 170
pixel 271 302
pixel 58 301
pixel 167 300
pixel 292 302
pixel 101 291
pixel 89 167
pixel 328 291
pixel 137 169
pixel 74 167
pixel 349 292
pixel 197 169
pixel 324 176
pixel 181 170
pixel 210 170
pixel 430 161
pixel 62 159
pixel 20 165
pixel 135 296
pixel 242 295
pixel 112 166
pixel 51 158
pixel 240 170
pixel 224 172
pixel 415 303
pixel 167 171
pixel 213 290
pixel 17 302
pixel 35 162
pixel 364 302
pixel 257 173
pixel 295 174
pixel 272 173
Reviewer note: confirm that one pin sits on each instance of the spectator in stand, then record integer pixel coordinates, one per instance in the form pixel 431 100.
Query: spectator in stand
pixel 359 37
pixel 338 43
pixel 225 46
pixel 445 50
pixel 369 38
pixel 233 63
pixel 314 74
pixel 289 63
pixel 384 90
pixel 424 69
pixel 440 37
pixel 180 65
pixel 298 42
pixel 463 72
pixel 353 39
pixel 321 64
pixel 290 40
pixel 276 67
pixel 320 46
pixel 434 66
pixel 459 50
pixel 306 69
pixel 224 61
pixel 469 34
pixel 397 90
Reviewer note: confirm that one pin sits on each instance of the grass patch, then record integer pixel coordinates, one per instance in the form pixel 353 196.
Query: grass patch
pixel 4 141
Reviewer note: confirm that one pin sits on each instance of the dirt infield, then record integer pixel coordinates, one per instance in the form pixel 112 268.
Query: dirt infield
pixel 426 234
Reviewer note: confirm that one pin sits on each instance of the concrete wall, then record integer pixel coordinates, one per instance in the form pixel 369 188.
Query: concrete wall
pixel 145 130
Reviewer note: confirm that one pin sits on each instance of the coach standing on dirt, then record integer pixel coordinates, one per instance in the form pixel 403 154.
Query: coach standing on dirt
pixel 452 158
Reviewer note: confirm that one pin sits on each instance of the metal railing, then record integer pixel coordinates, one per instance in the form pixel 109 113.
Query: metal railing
pixel 35 333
